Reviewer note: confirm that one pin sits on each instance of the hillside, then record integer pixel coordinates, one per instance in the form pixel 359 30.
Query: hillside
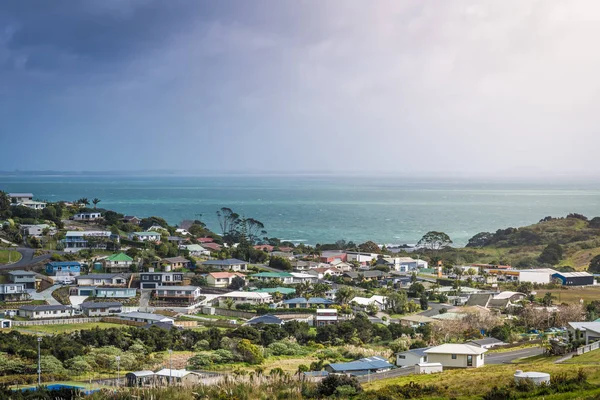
pixel 578 238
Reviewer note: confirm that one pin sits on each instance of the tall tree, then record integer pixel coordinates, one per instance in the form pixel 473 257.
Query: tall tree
pixel 96 201
pixel 435 241
pixel 344 294
pixel 228 220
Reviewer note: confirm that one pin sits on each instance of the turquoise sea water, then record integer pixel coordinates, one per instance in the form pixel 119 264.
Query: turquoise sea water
pixel 325 209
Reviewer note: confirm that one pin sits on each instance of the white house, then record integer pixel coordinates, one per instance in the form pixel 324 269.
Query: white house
pixel 539 275
pixel 222 279
pixel 45 311
pixel 361 258
pixel 321 273
pixel 411 357
pixel 245 297
pixel 77 240
pixel 101 280
pixel 231 264
pixel 300 277
pixel 181 231
pixel 91 309
pixel 187 294
pixel 379 301
pixel 16 198
pixel 589 331
pixel 195 250
pixel 456 355
pixel 87 216
pixel 148 236
pixel 37 230
pixel 326 316
pixel 147 318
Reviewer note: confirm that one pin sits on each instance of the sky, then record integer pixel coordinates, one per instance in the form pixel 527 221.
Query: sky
pixel 410 87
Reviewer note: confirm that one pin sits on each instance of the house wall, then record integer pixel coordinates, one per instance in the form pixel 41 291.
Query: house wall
pixel 460 362
pixel 102 312
pixel 45 314
pixel 410 359
pixel 534 277
pixel 112 293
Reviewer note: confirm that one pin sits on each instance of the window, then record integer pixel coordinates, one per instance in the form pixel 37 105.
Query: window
pixel 454 356
pixel 469 361
pixel 145 277
pixel 156 278
pixel 402 357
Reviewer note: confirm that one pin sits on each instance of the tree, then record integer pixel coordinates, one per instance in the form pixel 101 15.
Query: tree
pixel 331 383
pixel 594 266
pixel 525 287
pixel 435 241
pixel 424 302
pixel 96 201
pixel 237 283
pixel 595 223
pixel 552 254
pixel 228 220
pixel 250 353
pixel 229 302
pixel 547 299
pixel 302 368
pixel 280 263
pixel 344 294
pixel 369 247
pixel 83 201
pixel 397 301
pixel 480 240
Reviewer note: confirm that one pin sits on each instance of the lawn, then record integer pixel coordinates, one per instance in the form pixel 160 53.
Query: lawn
pixel 67 327
pixel 14 256
pixel 592 357
pixel 572 295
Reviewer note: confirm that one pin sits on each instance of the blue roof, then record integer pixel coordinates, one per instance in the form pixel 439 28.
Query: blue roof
pixel 316 373
pixel 312 300
pixel 362 364
pixel 265 319
pixel 63 263
pixel 229 261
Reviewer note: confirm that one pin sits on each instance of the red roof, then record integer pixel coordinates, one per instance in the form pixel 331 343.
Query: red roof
pixel 220 275
pixel 212 246
pixel 286 249
pixel 206 240
pixel 266 247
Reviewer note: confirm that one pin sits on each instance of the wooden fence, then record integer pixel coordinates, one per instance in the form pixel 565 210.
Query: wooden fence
pixel 587 348
pixel 234 313
pixel 62 321
pixel 114 320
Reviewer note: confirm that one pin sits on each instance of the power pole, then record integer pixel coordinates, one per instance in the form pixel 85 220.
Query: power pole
pixel 39 371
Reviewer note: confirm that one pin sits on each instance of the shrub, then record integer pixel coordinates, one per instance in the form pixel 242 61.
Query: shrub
pixel 499 394
pixel 329 385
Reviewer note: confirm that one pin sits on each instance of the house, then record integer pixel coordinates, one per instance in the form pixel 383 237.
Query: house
pixel 588 331
pixel 326 316
pixel 77 240
pixel 222 279
pixel 301 302
pixel 182 231
pixel 176 263
pixel 264 247
pixel 239 297
pixel 342 265
pixel 177 377
pixel 411 357
pixel 105 292
pixel 487 343
pixel 278 289
pixel 266 319
pixel 574 278
pixel 34 205
pixel 37 230
pixel 25 277
pixel 101 280
pixel 63 267
pixel 300 277
pixel 538 275
pixel 45 311
pixel 414 321
pixel 91 309
pixel 212 246
pixel 147 236
pixel 366 275
pixel 285 277
pixel 364 366
pixel 328 257
pixel 400 264
pixel 87 216
pixel 13 292
pixel 140 379
pixel 360 257
pixel 363 302
pixel 151 280
pixel 457 355
pixel 301 265
pixel 147 318
pixel 195 250
pixel 178 240
pixel 186 294
pixel 158 228
pixel 16 198
pixel 321 273
pixel 130 219
pixel 330 294
pixel 231 264
pixel 118 263
pixel 505 299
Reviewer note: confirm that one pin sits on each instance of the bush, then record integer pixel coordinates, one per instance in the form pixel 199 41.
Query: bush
pixel 331 383
pixel 499 394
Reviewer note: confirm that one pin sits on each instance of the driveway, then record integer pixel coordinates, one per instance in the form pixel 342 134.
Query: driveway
pixel 435 309
pixel 46 295
pixel 509 356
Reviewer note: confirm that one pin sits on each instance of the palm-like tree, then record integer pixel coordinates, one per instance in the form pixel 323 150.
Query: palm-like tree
pixel 83 201
pixel 96 201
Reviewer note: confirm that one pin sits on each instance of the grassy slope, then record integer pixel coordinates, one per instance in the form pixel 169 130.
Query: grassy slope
pixel 14 256
pixel 54 329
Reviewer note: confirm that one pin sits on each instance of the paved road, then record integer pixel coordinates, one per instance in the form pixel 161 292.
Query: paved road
pixel 46 295
pixel 435 309
pixel 509 356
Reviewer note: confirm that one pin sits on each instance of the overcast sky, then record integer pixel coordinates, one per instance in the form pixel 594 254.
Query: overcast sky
pixel 400 86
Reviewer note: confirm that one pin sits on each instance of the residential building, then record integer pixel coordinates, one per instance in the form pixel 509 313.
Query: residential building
pixel 185 294
pixel 45 311
pixel 245 297
pixel 151 280
pixel 279 289
pixel 34 205
pixel 379 301
pixel 301 265
pixel 411 357
pixel 322 273
pixel 231 264
pixel 37 230
pixel 301 302
pixel 284 277
pixel 342 265
pixel 101 280
pixel 106 292
pixel 457 355
pixel 360 257
pixel 364 366
pixel 177 377
pixel 400 264
pixel 266 319
pixel 588 331
pixel 27 278
pixel 574 278
pixel 16 198
pixel 13 292
pixel 373 275
pixel 195 250
pixel 77 240
pixel 130 219
pixel 487 343
pixel 182 231
pixel 104 309
pixel 326 316
pixel 222 279
pixel 176 263
pixel 330 294
pixel 120 262
pixel 148 236
pixel 147 318
pixel 414 321
pixel 63 267
pixel 300 277
pixel 5 323
pixel 212 246
pixel 178 240
pixel 87 216
pixel 328 257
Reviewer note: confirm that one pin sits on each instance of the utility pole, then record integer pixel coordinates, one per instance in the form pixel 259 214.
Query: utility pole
pixel 39 371
pixel 170 366
pixel 118 358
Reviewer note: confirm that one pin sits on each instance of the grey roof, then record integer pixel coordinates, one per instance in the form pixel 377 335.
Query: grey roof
pixel 312 300
pixel 229 261
pixel 22 272
pixel 485 341
pixel 176 259
pixel 140 315
pixel 265 319
pixel 108 304
pixel 99 276
pixel 20 195
pixel 45 307
pixel 141 374
pixel 479 299
pixel 316 373
pixel 419 352
pixel 370 363
pixel 366 274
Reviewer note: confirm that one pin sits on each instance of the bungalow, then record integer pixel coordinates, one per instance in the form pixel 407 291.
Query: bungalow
pixel 266 319
pixel 34 205
pixel 414 321
pixel 151 280
pixel 321 273
pixel 285 277
pixel 101 280
pixel 222 279
pixel 106 292
pixel 145 236
pixel 186 294
pixel 16 198
pixel 176 263
pixel 364 366
pixel 91 309
pixel 178 240
pixel 300 277
pixel 63 267
pixel 279 289
pixel 87 216
pixel 25 277
pixel 147 318
pixel 195 250
pixel 411 357
pixel 361 258
pixel 118 263
pixel 332 255
pixel 130 219
pixel 362 302
pixel 301 265
pixel 77 240
pixel 301 302
pixel 212 246
pixel 342 265
pixel 588 331
pixel 45 311
pixel 177 377
pixel 367 275
pixel 13 292
pixel 231 264
pixel 456 355
pixel 37 230
pixel 245 297
pixel 326 316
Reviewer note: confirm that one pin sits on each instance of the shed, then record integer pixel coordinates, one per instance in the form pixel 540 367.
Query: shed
pixel 574 278
pixel 140 378
pixel 428 368
pixel 179 377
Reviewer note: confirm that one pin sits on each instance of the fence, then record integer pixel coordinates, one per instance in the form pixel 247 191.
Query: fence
pixel 234 313
pixel 587 348
pixel 113 320
pixel 63 321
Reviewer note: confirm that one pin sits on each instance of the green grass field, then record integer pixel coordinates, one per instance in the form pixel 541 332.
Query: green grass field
pixel 51 329
pixel 592 357
pixel 14 256
pixel 573 295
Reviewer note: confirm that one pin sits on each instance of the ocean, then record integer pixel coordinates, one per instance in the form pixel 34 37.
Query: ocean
pixel 324 209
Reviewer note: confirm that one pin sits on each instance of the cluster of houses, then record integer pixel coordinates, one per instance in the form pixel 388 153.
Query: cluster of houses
pixel 495 273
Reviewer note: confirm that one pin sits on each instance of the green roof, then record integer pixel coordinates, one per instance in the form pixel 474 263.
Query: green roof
pixel 282 290
pixel 271 275
pixel 119 257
